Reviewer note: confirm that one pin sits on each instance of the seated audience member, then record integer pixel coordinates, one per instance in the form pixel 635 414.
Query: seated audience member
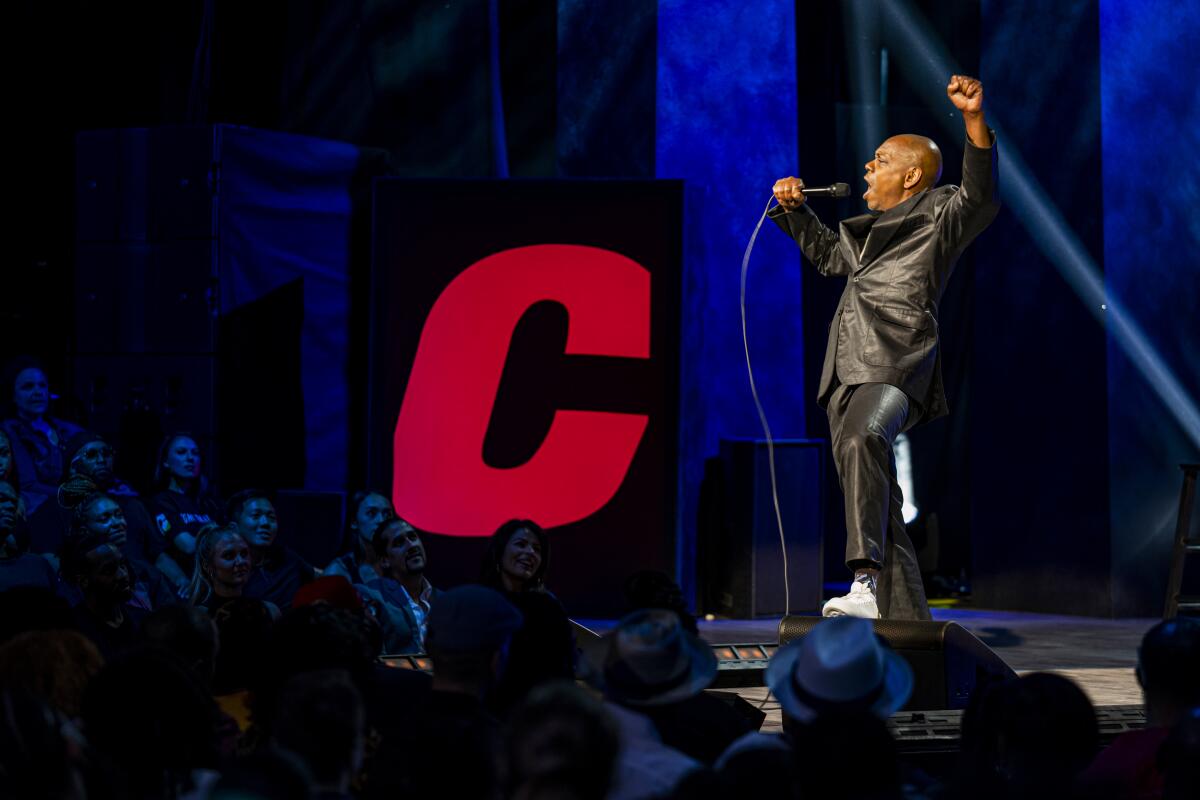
pixel 650 588
pixel 560 743
pixel 839 667
pixel 652 665
pixel 104 614
pixel 102 516
pixel 33 608
pixel 515 563
pixel 55 666
pixel 321 720
pixel 366 512
pixel 40 751
pixel 18 567
pixel 183 503
pixel 276 571
pixel 1027 738
pixel 152 719
pixel 222 568
pixel 321 636
pixel 243 632
pixel 1168 671
pixel 189 633
pixel 36 438
pixel 405 591
pixel 8 470
pixel 452 743
pixel 336 591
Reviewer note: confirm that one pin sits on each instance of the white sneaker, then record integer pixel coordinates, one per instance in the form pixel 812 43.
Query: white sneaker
pixel 859 603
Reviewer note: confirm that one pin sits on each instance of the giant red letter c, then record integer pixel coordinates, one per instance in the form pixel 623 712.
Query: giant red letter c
pixel 440 481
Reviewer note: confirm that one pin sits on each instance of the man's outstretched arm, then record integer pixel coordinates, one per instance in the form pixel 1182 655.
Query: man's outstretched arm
pixel 818 243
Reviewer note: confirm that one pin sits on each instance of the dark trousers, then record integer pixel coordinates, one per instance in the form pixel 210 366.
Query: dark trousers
pixel 864 421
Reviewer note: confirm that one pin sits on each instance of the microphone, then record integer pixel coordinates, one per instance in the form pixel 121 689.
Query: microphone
pixel 834 190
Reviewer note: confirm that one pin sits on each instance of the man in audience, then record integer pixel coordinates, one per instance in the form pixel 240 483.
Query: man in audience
pixel 18 567
pixel 405 591
pixel 451 744
pixel 277 570
pixel 100 572
pixel 1168 671
pixel 321 720
pixel 654 666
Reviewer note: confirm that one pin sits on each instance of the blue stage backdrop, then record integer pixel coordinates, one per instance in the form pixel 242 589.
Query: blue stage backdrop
pixel 726 124
pixel 1148 68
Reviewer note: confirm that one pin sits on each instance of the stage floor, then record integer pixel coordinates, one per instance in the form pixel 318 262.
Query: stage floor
pixel 1098 654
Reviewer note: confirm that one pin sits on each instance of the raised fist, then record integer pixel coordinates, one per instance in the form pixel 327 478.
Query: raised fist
pixel 789 192
pixel 966 93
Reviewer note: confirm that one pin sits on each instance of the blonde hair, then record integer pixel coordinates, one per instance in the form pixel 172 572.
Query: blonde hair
pixel 208 539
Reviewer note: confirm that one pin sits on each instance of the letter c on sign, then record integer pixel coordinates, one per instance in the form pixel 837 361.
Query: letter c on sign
pixel 440 481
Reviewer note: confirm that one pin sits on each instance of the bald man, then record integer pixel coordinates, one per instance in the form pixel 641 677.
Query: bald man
pixel 882 372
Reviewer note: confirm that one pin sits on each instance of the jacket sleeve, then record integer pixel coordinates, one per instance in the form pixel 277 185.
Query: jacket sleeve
pixel 818 243
pixel 976 203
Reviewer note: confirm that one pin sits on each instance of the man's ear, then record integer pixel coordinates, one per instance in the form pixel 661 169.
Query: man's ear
pixel 913 177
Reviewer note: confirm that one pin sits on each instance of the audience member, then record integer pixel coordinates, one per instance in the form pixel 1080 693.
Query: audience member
pixel 840 666
pixel 8 470
pixel 403 588
pixel 652 665
pixel 100 515
pixel 18 567
pixel 1168 671
pixel 451 745
pixel 33 608
pixel 222 568
pixel 276 571
pixel 650 588
pixel 54 666
pixel 243 632
pixel 515 563
pixel 183 504
pixel 189 633
pixel 102 575
pixel 560 743
pixel 366 512
pixel 321 720
pixel 336 590
pixel 42 754
pixel 1027 738
pixel 153 720
pixel 36 438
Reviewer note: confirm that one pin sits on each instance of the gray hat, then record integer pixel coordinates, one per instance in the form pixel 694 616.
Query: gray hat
pixel 650 660
pixel 471 619
pixel 840 664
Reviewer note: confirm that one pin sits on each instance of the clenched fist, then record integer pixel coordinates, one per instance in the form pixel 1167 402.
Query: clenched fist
pixel 966 94
pixel 789 192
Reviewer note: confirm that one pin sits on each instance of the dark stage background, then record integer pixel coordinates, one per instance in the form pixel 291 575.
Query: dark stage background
pixel 1070 329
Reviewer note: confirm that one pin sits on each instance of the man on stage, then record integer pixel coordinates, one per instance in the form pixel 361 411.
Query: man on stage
pixel 882 372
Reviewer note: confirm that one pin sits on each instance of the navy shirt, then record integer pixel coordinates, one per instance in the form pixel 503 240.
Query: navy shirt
pixel 26 570
pixel 178 512
pixel 277 578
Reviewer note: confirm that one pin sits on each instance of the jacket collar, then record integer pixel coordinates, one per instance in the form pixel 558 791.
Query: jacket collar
pixel 882 229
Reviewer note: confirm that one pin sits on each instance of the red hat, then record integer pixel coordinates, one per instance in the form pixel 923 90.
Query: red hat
pixel 332 589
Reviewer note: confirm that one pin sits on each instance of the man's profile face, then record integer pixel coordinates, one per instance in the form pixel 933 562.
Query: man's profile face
pixel 108 577
pixel 885 175
pixel 405 553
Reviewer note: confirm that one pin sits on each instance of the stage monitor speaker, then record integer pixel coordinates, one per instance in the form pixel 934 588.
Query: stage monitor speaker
pixel 947 661
pixel 311 523
pixel 742 566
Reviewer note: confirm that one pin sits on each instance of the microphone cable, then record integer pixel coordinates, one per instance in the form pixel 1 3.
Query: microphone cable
pixel 762 415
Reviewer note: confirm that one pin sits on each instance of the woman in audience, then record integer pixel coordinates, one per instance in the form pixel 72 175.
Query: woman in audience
pixel 19 567
pixel 35 437
pixel 183 504
pixel 100 514
pixel 358 562
pixel 276 571
pixel 543 650
pixel 222 568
